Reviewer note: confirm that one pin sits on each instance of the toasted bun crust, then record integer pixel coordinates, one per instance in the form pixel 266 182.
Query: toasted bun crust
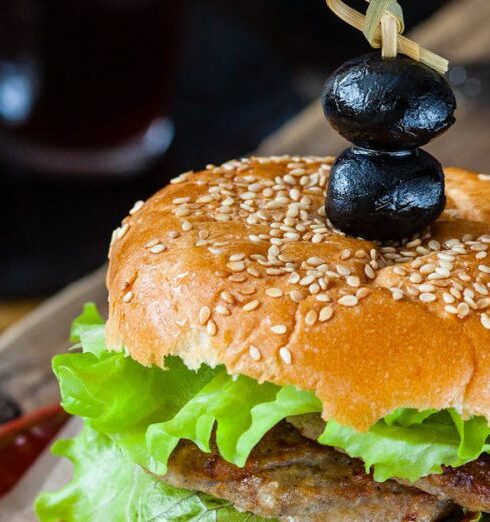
pixel 237 265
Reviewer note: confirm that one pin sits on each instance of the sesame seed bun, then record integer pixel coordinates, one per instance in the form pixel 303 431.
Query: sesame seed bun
pixel 238 265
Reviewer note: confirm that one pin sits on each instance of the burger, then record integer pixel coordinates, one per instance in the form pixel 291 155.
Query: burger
pixel 259 364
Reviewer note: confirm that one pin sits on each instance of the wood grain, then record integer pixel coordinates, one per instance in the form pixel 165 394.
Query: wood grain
pixel 27 347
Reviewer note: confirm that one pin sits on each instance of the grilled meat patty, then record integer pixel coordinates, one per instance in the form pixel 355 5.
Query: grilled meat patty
pixel 467 486
pixel 289 477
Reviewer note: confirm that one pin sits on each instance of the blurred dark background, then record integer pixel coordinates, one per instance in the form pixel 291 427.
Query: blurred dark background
pixel 78 77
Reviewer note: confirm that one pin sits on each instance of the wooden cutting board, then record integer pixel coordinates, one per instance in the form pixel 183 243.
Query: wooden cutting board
pixel 27 347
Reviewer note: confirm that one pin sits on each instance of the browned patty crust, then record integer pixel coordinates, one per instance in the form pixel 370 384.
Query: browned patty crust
pixel 467 486
pixel 291 478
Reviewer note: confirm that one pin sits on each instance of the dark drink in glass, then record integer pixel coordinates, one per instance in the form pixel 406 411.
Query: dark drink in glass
pixel 85 84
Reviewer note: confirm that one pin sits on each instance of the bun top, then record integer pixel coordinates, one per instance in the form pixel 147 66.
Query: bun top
pixel 238 265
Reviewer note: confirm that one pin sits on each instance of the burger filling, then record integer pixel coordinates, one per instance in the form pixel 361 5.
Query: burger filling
pixel 178 444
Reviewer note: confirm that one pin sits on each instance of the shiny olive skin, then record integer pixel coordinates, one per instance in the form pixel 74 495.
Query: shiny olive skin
pixel 384 196
pixel 388 104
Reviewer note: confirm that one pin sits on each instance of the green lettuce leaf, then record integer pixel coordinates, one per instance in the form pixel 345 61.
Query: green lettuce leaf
pixel 146 411
pixel 242 410
pixel 108 486
pixel 88 330
pixel 121 398
pixel 410 444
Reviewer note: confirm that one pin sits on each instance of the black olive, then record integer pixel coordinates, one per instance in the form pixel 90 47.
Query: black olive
pixel 388 104
pixel 384 196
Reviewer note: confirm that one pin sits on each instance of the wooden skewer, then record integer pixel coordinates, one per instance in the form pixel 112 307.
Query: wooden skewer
pixel 404 45
pixel 389 36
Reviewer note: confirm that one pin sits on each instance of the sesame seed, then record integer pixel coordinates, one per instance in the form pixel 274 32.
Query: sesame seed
pixel 315 261
pixel 323 298
pixel 343 270
pixel 362 293
pixel 326 314
pixel 236 266
pixel 297 296
pixel 204 314
pixel 254 353
pixel 434 245
pixel 311 318
pixel 414 243
pixel 136 207
pixel 483 303
pixel 227 297
pixel 307 280
pixel 274 292
pixel 253 272
pixel 448 298
pixel 484 268
pixel 485 321
pixel 427 297
pixel 443 256
pixel 314 288
pixel 456 292
pixel 481 288
pixel 251 305
pixel 427 268
pixel 370 273
pixel 127 297
pixel 443 271
pixel 246 196
pixel 121 232
pixel 463 310
pixel 348 300
pixel 450 309
pixel 211 328
pixel 222 310
pixel 279 329
pixel 285 355
pixel 397 294
pixel 152 243
pixel 237 257
pixel 186 226
pixel 353 281
pixel 274 271
pixel 182 212
pixel 180 201
pixel 426 288
pixel 157 249
pixel 415 278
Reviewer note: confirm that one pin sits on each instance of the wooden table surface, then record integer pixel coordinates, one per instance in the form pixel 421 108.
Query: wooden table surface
pixel 459 32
